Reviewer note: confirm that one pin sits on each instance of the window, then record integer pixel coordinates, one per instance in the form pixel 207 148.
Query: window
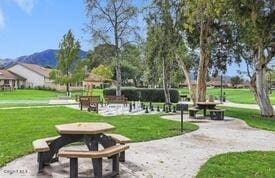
pixel 6 82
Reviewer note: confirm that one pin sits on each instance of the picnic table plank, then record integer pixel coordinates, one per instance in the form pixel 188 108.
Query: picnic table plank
pixel 84 128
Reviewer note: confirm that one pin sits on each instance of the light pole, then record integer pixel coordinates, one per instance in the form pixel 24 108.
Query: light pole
pixel 221 97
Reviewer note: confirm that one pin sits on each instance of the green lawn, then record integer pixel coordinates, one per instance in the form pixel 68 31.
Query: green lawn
pixel 21 126
pixel 253 164
pixel 251 117
pixel 31 94
pixel 244 96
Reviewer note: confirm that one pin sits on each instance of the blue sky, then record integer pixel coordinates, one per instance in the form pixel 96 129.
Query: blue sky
pixel 28 26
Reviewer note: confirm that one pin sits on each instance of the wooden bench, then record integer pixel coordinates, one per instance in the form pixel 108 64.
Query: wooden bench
pixel 216 114
pixel 116 99
pixel 97 156
pixel 122 140
pixel 90 102
pixel 40 146
pixel 192 112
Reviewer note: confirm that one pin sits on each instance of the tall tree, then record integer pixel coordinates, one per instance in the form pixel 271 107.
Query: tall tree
pixel 166 22
pixel 132 62
pixel 256 20
pixel 102 54
pixel 160 37
pixel 119 19
pixel 69 67
pixel 200 17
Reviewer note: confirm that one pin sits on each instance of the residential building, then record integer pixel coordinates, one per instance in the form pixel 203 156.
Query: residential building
pixel 10 80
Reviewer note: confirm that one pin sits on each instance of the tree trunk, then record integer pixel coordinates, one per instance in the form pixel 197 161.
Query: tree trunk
pixel 191 88
pixel 259 84
pixel 68 89
pixel 118 65
pixel 165 82
pixel 118 78
pixel 205 38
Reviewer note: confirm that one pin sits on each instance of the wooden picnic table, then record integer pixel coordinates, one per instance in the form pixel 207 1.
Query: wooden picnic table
pixel 205 106
pixel 91 133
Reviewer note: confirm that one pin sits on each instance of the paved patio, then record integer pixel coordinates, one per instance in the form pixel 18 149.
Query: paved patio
pixel 174 157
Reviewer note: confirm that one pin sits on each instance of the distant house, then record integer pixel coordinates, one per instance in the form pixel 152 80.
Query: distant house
pixel 35 75
pixel 38 76
pixel 193 82
pixel 97 81
pixel 10 80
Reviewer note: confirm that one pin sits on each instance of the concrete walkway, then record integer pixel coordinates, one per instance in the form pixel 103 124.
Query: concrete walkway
pixel 238 105
pixel 174 157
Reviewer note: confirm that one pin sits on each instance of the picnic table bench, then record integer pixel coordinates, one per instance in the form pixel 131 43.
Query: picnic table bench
pixel 92 134
pixel 116 99
pixel 217 114
pixel 112 152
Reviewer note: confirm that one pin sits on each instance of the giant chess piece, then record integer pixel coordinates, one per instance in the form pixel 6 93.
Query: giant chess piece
pixel 146 109
pixel 134 105
pixel 130 107
pixel 174 109
pixel 164 108
pixel 158 108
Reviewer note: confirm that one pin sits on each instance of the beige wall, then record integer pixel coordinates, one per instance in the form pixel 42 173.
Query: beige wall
pixel 51 84
pixel 32 79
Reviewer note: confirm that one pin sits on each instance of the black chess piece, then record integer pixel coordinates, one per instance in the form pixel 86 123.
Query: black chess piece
pixel 146 109
pixel 158 108
pixel 174 109
pixel 130 107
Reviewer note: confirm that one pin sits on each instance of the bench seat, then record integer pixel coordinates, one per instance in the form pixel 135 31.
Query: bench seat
pixel 217 114
pixel 97 156
pixel 120 138
pixel 42 145
pixel 192 112
pixel 116 99
pixel 107 152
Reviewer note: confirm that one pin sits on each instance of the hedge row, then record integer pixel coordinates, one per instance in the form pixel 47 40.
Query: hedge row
pixel 144 94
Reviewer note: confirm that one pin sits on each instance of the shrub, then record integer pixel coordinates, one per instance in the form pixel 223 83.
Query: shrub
pixel 144 94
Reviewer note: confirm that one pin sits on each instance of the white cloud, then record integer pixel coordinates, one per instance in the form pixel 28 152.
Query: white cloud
pixel 26 5
pixel 2 20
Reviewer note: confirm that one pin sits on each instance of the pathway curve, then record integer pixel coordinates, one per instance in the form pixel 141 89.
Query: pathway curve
pixel 174 157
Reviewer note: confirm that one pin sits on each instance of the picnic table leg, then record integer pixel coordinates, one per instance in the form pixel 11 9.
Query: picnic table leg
pixel 73 167
pixel 204 112
pixel 122 156
pixel 116 164
pixel 46 158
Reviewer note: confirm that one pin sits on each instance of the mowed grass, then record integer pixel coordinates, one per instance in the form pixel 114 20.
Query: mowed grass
pixel 253 164
pixel 19 127
pixel 243 96
pixel 251 117
pixel 31 94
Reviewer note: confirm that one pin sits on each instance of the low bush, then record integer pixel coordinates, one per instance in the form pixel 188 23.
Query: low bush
pixel 144 94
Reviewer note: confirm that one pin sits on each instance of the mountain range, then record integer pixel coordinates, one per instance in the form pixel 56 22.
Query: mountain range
pixel 47 58
pixel 43 58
